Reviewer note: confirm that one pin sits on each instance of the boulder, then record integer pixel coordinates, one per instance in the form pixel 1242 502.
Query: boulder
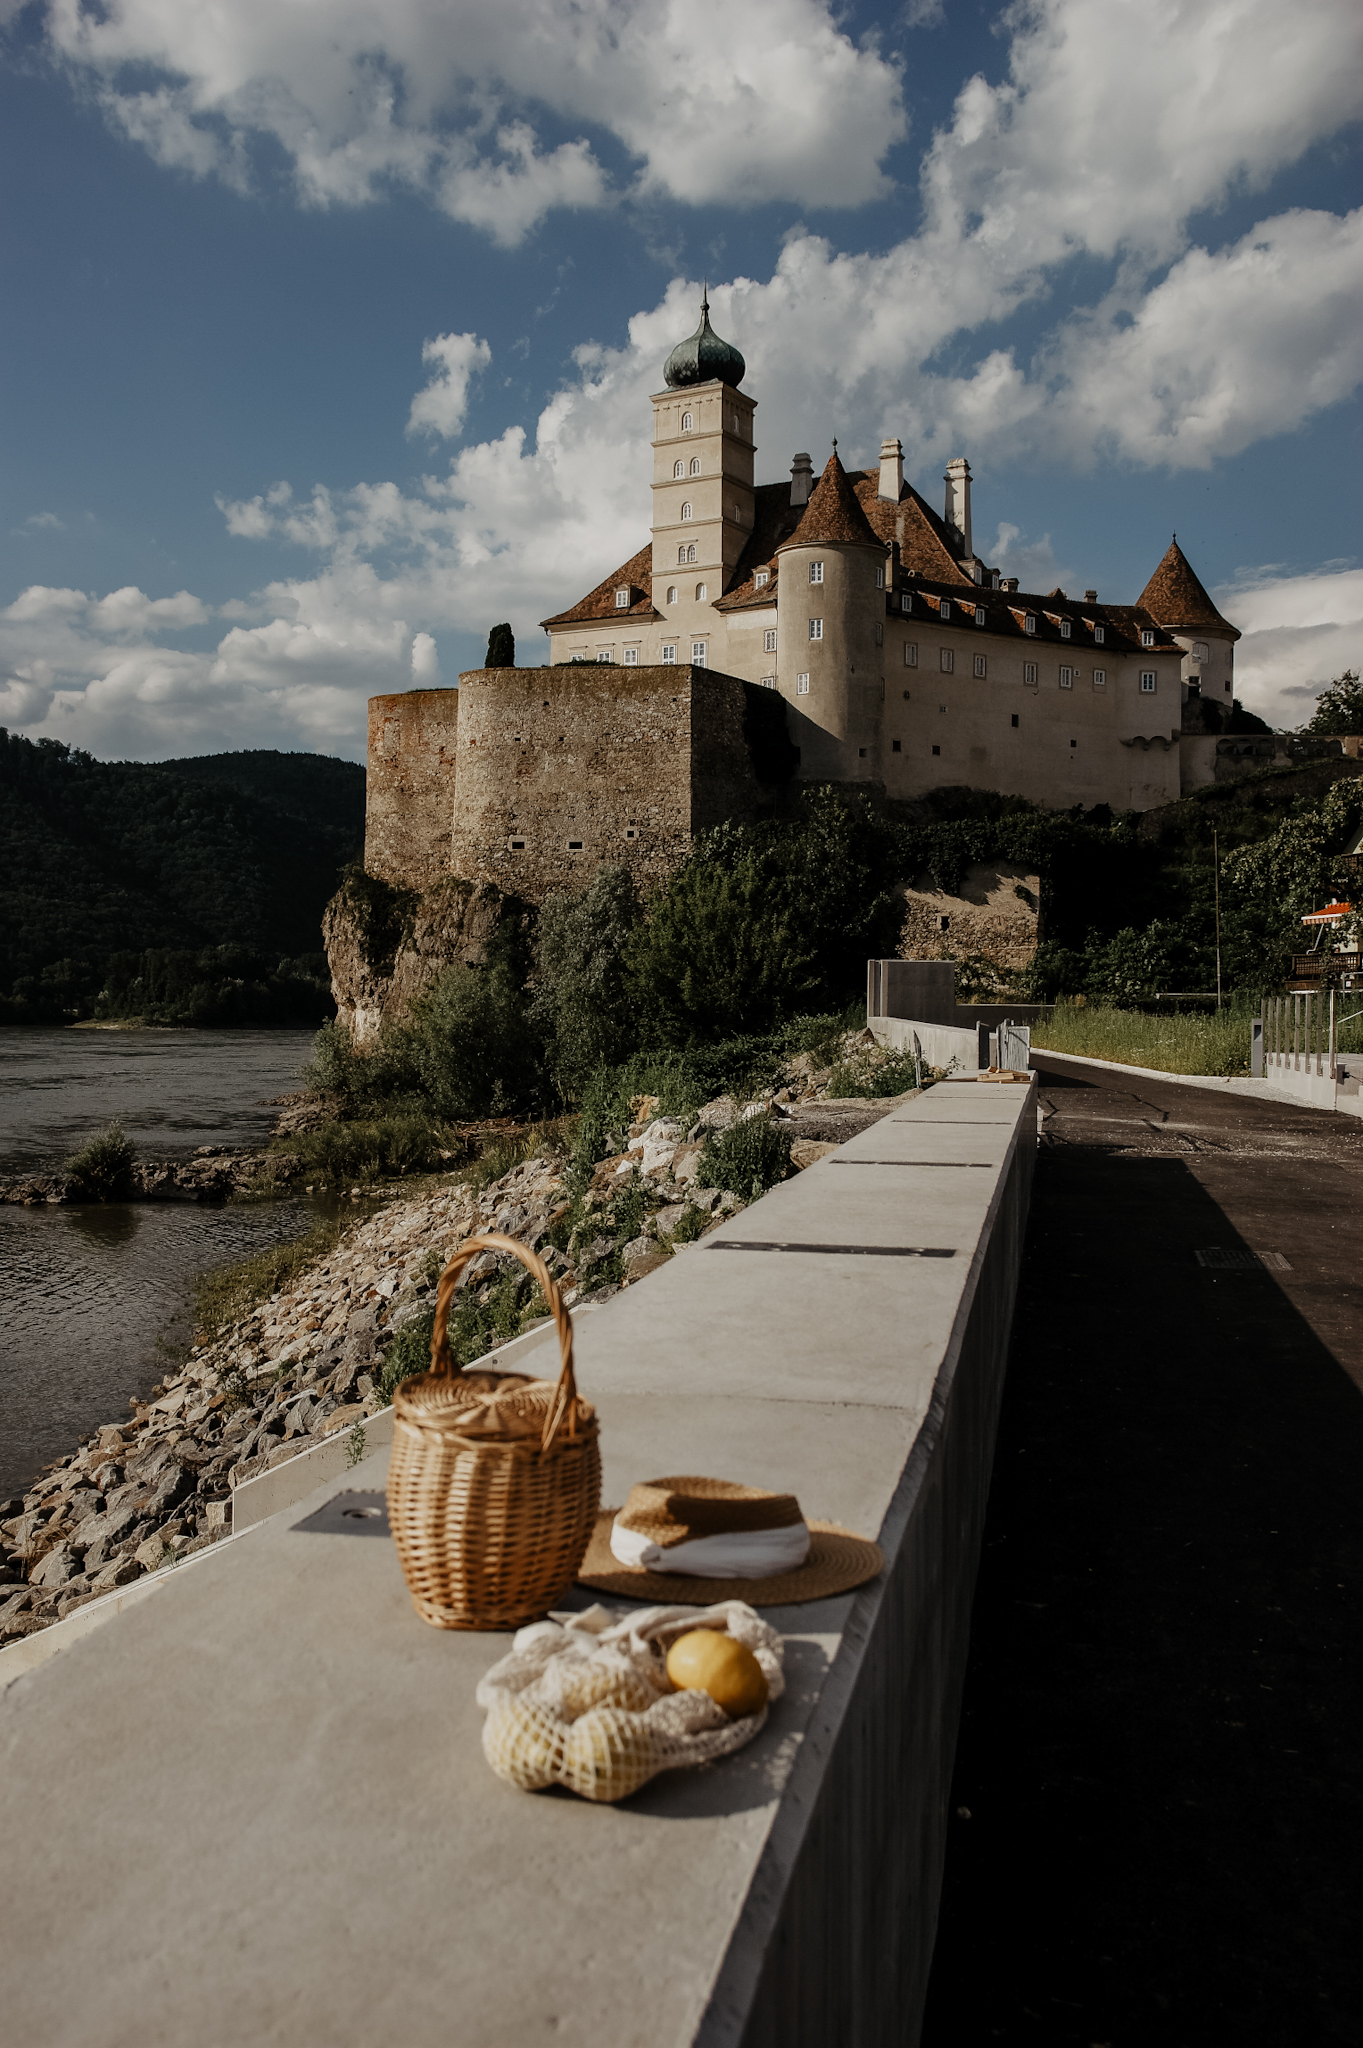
pixel 55 1569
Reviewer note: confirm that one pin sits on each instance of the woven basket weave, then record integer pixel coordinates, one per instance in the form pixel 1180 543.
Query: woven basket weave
pixel 495 1478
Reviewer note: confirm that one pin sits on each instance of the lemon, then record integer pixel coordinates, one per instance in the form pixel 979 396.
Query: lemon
pixel 707 1661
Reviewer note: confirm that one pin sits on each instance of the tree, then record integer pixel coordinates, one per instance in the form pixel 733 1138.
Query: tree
pixel 1340 708
pixel 501 648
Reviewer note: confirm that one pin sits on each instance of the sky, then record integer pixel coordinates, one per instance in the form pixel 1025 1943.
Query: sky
pixel 328 328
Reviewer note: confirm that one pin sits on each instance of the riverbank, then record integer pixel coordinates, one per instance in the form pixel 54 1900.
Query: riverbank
pixel 323 1352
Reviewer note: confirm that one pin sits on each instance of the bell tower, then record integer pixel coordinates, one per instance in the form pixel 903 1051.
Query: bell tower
pixel 703 505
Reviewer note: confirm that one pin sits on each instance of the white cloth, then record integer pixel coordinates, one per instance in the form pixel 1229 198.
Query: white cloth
pixel 741 1554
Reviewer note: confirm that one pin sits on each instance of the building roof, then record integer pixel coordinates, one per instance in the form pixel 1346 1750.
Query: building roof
pixel 635 575
pixel 833 513
pixel 924 539
pixel 1176 598
pixel 703 357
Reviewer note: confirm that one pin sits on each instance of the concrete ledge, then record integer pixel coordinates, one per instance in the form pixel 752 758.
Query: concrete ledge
pixel 254 1810
pixel 1304 1091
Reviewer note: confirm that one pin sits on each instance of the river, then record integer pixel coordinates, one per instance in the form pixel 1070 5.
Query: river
pixel 90 1296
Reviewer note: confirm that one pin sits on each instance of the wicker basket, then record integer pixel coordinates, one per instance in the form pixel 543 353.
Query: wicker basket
pixel 495 1478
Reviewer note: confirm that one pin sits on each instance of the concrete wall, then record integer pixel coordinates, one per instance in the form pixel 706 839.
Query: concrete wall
pixel 409 789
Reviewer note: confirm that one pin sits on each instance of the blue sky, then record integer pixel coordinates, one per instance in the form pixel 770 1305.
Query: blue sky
pixel 328 329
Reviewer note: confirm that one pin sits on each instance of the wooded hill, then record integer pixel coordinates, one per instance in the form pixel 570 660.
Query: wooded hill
pixel 105 861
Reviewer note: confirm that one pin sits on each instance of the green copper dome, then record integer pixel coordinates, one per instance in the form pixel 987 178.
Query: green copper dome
pixel 703 357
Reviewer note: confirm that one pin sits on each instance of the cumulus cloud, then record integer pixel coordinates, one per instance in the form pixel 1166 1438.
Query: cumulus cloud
pixel 443 98
pixel 441 406
pixel 1300 632
pixel 41 522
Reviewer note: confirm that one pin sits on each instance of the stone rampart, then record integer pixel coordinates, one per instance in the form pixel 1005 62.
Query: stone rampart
pixel 409 797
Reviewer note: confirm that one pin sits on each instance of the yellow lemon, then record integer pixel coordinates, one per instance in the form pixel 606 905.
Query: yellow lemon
pixel 706 1661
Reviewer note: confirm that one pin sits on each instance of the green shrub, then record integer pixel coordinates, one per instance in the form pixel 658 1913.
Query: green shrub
pixel 747 1159
pixel 501 647
pixel 583 1009
pixel 717 956
pixel 893 1075
pixel 470 1044
pixel 509 1304
pixel 382 1148
pixel 102 1169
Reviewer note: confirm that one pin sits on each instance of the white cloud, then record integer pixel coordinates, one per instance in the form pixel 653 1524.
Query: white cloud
pixel 442 97
pixel 441 406
pixel 40 522
pixel 1300 632
pixel 425 662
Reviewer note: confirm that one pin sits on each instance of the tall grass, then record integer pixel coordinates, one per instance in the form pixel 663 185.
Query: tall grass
pixel 228 1293
pixel 1214 1042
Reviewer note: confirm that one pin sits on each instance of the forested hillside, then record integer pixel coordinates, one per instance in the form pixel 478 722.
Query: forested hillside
pixel 104 861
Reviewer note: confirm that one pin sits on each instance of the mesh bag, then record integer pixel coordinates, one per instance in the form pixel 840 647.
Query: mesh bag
pixel 588 1704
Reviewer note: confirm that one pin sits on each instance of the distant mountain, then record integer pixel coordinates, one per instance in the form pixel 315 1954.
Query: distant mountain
pixel 99 858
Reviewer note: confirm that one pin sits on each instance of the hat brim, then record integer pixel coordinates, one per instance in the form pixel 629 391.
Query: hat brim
pixel 837 1562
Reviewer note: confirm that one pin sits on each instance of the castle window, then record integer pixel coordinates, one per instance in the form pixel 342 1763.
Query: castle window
pixel 1015 718
pixel 880 577
pixel 574 846
pixel 946 660
pixel 631 831
pixel 768 682
pixel 906 601
pixel 691 556
pixel 816 629
pixel 631 657
pixel 604 655
pixel 1064 629
pixel 1029 623
pixel 981 616
pixel 1100 679
pixel 895 747
pixel 1147 682
pixel 516 845
pixel 701 593
pixel 672 593
pixel 946 609
pixel 880 634
pixel 679 469
pixel 802 685
pixel 1147 637
pixel 687 423
pixel 861 753
pixel 760 580
pixel 669 655
pixel 695 465
pixel 697 654
pixel 937 750
pixel 981 665
pixel 910 654
pixel 769 640
pixel 1067 678
pixel 622 600
pixel 686 511
pixel 1029 673
pixel 816 572
pixel 1074 743
pixel 1099 635
pixel 1199 650
pixel 944 922
pixel 681 557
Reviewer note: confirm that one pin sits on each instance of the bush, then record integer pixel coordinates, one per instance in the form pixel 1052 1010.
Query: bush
pixel 470 1045
pixel 718 956
pixel 102 1170
pixel 476 1327
pixel 501 647
pixel 747 1159
pixel 383 1148
pixel 894 1075
pixel 582 1008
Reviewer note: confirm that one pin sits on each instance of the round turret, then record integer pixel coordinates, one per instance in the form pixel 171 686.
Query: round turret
pixel 703 358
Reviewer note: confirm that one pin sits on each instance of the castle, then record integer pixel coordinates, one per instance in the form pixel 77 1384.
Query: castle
pixel 836 630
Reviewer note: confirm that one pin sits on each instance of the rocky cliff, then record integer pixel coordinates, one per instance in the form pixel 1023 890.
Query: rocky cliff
pixel 385 944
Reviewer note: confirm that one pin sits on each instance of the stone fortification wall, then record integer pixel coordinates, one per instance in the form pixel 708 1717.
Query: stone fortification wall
pixel 994 914
pixel 561 769
pixel 409 797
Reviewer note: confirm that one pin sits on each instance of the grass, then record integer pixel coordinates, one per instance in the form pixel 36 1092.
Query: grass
pixel 380 1148
pixel 227 1293
pixel 1210 1042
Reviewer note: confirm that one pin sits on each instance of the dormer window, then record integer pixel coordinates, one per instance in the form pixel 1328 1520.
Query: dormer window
pixel 1147 637
pixel 1064 629
pixel 1029 623
pixel 686 511
pixel 695 465
pixel 761 579
pixel 981 615
pixel 679 469
pixel 946 609
pixel 816 572
pixel 1099 635
pixel 622 600
pixel 687 423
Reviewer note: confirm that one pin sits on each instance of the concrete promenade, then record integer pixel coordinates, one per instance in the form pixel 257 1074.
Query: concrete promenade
pixel 252 1811
pixel 1160 1752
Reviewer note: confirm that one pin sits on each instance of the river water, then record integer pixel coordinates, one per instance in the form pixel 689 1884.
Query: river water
pixel 89 1293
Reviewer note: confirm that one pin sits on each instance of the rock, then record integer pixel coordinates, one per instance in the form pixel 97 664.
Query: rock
pixel 55 1569
pixel 16 1604
pixel 218 1514
pixel 152 1554
pixel 805 1151
pixel 120 1571
pixel 666 1220
pixel 647 1262
pixel 638 1248
pixel 718 1115
pixel 344 1418
pixel 686 1165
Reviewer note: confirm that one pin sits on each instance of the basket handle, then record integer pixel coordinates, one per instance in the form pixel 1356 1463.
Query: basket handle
pixel 442 1365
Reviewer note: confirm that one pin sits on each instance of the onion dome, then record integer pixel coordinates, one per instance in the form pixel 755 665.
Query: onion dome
pixel 703 357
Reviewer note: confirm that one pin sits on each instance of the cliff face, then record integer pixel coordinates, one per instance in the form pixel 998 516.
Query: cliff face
pixel 385 944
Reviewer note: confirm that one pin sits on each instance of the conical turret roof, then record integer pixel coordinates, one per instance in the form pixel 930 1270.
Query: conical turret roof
pixel 833 513
pixel 1174 596
pixel 702 357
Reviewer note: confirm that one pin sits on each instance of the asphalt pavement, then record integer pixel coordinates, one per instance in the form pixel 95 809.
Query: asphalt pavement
pixel 1158 1797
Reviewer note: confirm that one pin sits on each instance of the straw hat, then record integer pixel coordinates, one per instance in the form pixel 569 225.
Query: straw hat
pixel 674 1514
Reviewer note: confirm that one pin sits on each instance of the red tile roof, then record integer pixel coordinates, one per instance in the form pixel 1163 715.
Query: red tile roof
pixel 635 575
pixel 833 513
pixel 1176 598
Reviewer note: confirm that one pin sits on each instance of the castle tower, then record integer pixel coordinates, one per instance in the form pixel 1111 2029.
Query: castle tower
pixel 1175 599
pixel 703 505
pixel 831 609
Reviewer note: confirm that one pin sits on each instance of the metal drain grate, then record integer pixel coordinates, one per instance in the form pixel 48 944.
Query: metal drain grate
pixel 1223 1260
pixel 845 1251
pixel 348 1514
pixel 958 1163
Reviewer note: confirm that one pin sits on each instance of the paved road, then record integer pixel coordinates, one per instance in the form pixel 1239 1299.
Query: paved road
pixel 1160 1751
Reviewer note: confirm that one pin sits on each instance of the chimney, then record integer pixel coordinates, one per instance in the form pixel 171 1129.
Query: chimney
pixel 891 471
pixel 801 480
pixel 1090 597
pixel 957 481
pixel 1010 583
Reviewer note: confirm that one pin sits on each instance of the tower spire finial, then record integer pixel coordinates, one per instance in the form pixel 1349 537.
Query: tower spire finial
pixel 705 298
